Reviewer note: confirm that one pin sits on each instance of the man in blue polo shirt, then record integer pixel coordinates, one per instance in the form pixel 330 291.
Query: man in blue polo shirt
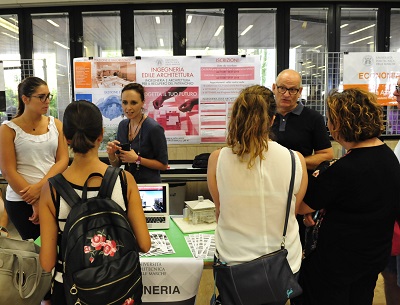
pixel 296 126
pixel 299 128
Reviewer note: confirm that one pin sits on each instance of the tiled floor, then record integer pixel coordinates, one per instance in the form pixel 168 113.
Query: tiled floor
pixel 207 285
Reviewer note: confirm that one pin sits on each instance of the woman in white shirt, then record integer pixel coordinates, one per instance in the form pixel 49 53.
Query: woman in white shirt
pixel 32 149
pixel 249 183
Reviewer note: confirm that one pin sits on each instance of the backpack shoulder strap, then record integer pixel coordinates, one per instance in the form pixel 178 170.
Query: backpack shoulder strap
pixel 65 190
pixel 109 179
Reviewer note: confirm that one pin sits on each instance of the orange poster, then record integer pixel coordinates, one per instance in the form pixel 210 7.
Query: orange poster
pixel 376 72
pixel 83 74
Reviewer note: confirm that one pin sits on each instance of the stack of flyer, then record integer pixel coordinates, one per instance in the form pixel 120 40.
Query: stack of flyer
pixel 160 245
pixel 201 245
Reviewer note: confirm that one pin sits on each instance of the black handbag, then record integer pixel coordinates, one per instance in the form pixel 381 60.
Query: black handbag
pixel 201 161
pixel 267 279
pixel 311 233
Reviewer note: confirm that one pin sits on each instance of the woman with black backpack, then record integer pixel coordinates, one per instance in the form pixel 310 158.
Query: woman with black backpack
pixel 83 129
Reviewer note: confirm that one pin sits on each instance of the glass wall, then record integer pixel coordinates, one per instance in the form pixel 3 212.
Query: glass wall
pixel 205 32
pixel 308 35
pixel 10 56
pixel 358 29
pixel 153 32
pixel 395 30
pixel 51 54
pixel 256 32
pixel 307 54
pixel 102 34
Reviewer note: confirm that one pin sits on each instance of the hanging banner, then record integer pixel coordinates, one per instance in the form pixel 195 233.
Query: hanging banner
pixel 190 97
pixel 100 81
pixel 172 95
pixel 170 280
pixel 376 72
pixel 222 79
pixel 2 89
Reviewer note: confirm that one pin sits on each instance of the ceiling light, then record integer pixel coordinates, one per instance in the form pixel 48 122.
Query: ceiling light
pixel 358 40
pixel 60 65
pixel 139 49
pixel 53 23
pixel 246 30
pixel 218 30
pixel 363 29
pixel 344 25
pixel 317 47
pixel 158 20
pixel 8 25
pixel 298 46
pixel 321 67
pixel 9 35
pixel 189 19
pixel 85 47
pixel 60 74
pixel 304 25
pixel 13 19
pixel 371 42
pixel 61 45
pixel 310 67
pixel 161 42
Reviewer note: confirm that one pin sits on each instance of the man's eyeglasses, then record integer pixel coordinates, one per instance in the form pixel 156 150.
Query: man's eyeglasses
pixel 398 89
pixel 292 91
pixel 44 97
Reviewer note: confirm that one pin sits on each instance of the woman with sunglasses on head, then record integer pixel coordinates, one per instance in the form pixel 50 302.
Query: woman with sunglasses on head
pixel 32 149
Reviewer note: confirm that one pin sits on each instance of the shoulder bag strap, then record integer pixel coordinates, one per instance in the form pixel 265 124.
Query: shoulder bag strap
pixel 109 179
pixel 65 190
pixel 289 200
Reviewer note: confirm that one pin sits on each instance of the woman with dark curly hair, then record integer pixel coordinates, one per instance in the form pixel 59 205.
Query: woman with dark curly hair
pixel 355 236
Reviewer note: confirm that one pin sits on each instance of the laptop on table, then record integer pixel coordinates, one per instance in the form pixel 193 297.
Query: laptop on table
pixel 155 203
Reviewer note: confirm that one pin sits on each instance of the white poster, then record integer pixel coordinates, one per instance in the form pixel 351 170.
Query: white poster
pixel 190 97
pixel 222 79
pixel 172 95
pixel 100 81
pixel 376 72
pixel 169 280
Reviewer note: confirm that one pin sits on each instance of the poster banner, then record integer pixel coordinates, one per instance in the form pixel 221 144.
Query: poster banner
pixel 191 97
pixel 100 81
pixel 172 95
pixel 375 72
pixel 222 79
pixel 170 280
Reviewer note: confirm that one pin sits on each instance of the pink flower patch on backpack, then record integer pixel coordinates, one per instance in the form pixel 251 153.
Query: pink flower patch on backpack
pixel 99 244
pixel 129 301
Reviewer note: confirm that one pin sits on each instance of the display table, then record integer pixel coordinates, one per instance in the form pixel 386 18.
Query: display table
pixel 176 277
